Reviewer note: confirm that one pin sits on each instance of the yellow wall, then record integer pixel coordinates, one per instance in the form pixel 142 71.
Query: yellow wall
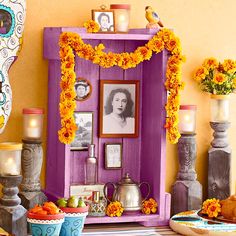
pixel 206 28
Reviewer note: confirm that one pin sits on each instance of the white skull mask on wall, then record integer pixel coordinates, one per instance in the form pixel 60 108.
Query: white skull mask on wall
pixel 12 17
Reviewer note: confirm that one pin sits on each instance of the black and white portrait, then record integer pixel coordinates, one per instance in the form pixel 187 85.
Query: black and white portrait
pixel 84 133
pixel 83 89
pixel 119 108
pixel 105 19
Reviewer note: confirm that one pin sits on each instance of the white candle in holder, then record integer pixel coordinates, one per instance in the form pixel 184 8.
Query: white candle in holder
pixel 33 123
pixel 187 119
pixel 10 158
pixel 122 15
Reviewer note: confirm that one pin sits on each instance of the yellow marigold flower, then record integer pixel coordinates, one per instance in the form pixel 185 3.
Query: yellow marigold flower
pixel 201 74
pixel 144 53
pixel 68 94
pixel 92 26
pixel 210 63
pixel 66 135
pixel 67 108
pixel 156 44
pixel 219 78
pixel 114 209
pixel 165 35
pixel 229 65
pixel 149 206
pixel 211 207
pixel 173 45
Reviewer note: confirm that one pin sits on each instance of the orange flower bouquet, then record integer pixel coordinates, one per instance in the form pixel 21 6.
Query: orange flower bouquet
pixel 211 207
pixel 114 209
pixel 149 206
pixel 217 78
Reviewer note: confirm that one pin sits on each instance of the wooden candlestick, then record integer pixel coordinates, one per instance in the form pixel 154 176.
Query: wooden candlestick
pixel 12 214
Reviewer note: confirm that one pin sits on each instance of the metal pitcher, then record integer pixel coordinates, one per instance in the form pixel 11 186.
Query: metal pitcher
pixel 128 193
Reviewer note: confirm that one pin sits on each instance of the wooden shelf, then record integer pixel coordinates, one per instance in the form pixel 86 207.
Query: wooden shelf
pixel 124 218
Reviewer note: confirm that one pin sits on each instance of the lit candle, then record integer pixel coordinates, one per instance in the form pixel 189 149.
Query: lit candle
pixel 122 12
pixel 187 119
pixel 10 158
pixel 33 122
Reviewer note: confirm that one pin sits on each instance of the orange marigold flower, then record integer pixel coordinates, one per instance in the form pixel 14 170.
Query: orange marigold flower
pixel 149 206
pixel 173 45
pixel 92 26
pixel 144 53
pixel 165 35
pixel 229 65
pixel 210 63
pixel 200 74
pixel 211 207
pixel 114 209
pixel 219 78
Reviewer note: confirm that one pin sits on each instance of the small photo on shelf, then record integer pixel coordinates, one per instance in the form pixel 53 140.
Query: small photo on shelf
pixel 84 133
pixel 105 19
pixel 113 156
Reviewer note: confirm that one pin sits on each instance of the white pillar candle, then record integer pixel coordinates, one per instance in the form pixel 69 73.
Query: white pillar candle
pixel 187 119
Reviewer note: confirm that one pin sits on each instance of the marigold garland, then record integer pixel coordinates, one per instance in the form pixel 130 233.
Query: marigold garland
pixel 211 207
pixel 165 38
pixel 149 206
pixel 92 26
pixel 114 209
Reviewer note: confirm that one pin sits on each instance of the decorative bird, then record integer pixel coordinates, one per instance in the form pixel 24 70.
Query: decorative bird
pixel 153 18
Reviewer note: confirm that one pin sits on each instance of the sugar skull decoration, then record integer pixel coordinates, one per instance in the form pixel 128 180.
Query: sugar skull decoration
pixel 12 17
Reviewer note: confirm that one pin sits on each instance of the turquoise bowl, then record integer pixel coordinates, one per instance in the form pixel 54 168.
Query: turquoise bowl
pixel 45 227
pixel 74 221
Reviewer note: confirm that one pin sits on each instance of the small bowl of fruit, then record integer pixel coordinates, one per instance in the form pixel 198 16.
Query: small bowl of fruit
pixel 76 211
pixel 45 220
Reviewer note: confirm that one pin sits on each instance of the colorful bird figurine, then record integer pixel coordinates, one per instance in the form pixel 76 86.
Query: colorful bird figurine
pixel 153 18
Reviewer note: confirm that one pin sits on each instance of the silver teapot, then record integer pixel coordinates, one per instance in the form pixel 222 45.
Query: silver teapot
pixel 128 193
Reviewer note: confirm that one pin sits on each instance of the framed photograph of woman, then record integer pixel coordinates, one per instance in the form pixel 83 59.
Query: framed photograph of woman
pixel 113 155
pixel 105 19
pixel 84 133
pixel 83 89
pixel 119 108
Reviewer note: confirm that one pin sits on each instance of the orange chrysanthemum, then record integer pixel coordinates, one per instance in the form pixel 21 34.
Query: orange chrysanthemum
pixel 211 207
pixel 149 206
pixel 219 78
pixel 114 209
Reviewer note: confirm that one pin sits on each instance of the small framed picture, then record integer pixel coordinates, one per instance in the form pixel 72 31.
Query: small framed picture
pixel 113 156
pixel 83 89
pixel 105 19
pixel 84 133
pixel 119 108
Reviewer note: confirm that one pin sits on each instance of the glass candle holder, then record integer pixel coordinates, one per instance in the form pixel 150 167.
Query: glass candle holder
pixel 10 158
pixel 219 108
pixel 187 119
pixel 32 123
pixel 122 16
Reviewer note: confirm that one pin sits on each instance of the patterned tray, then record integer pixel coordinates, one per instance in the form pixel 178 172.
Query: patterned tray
pixel 193 223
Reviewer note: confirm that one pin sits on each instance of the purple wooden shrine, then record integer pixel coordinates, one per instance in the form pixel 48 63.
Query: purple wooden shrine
pixel 144 157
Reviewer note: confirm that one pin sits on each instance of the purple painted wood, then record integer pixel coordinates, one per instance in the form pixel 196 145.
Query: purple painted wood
pixel 144 157
pixel 88 70
pixel 153 132
pixel 124 218
pixel 131 146
pixel 114 73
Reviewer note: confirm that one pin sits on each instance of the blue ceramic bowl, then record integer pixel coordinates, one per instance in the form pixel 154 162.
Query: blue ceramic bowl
pixel 45 227
pixel 73 224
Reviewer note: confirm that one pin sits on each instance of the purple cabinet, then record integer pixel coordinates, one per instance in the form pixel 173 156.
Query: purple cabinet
pixel 143 157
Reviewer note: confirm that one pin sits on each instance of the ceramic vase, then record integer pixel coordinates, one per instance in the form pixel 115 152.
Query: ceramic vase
pixel 74 221
pixel 45 225
pixel 219 108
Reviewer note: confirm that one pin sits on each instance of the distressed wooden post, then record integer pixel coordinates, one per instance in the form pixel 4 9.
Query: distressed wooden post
pixel 219 159
pixel 186 191
pixel 12 214
pixel 31 161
